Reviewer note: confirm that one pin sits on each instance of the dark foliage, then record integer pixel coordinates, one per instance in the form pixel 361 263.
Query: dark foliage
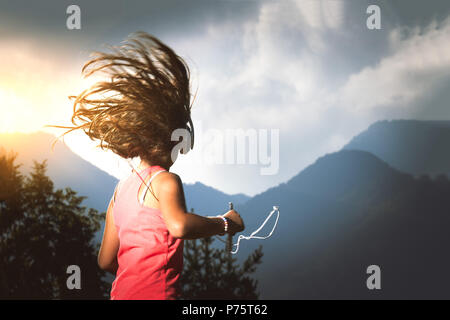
pixel 211 273
pixel 42 232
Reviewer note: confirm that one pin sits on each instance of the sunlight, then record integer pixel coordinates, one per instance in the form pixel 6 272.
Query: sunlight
pixel 15 114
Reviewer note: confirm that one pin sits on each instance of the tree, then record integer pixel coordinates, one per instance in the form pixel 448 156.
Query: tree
pixel 42 232
pixel 210 273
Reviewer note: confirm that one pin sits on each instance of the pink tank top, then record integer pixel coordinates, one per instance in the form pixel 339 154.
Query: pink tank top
pixel 150 259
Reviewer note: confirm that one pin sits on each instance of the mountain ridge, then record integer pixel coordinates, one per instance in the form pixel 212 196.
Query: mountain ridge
pixel 348 210
pixel 66 168
pixel 413 146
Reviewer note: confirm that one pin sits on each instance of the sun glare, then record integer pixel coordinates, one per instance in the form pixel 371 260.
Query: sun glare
pixel 15 116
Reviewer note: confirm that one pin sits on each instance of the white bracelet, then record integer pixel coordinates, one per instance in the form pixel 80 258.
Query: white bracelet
pixel 225 221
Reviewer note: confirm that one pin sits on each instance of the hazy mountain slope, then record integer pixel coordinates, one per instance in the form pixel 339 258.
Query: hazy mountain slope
pixel 412 146
pixel 209 201
pixel 343 213
pixel 67 169
pixel 64 167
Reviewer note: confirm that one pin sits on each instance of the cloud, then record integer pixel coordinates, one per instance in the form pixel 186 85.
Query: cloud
pixel 308 68
pixel 313 70
pixel 266 73
pixel 420 59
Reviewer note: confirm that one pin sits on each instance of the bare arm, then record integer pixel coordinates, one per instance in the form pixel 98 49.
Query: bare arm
pixel 180 223
pixel 107 256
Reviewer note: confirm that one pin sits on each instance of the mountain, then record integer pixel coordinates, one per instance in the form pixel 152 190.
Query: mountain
pixel 348 210
pixel 343 213
pixel 209 201
pixel 66 169
pixel 413 146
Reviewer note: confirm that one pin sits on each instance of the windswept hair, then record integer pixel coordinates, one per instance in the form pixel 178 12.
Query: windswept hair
pixel 145 99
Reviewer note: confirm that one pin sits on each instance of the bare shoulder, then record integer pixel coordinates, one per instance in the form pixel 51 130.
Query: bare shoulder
pixel 168 181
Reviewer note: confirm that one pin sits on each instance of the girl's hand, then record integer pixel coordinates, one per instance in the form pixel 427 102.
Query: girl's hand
pixel 235 222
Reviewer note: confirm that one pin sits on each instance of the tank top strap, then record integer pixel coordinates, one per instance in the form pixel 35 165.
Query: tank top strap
pixel 154 175
pixel 146 171
pixel 142 177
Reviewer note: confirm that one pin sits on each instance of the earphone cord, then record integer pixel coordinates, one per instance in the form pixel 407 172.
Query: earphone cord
pixel 253 234
pixel 240 237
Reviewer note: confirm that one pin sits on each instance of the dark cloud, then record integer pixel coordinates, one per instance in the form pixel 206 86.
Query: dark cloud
pixel 286 51
pixel 416 12
pixel 115 19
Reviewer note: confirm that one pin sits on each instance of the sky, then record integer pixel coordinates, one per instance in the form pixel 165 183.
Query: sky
pixel 303 77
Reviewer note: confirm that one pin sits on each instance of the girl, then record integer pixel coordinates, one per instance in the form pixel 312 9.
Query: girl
pixel 134 114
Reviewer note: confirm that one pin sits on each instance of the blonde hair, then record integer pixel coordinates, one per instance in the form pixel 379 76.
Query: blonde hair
pixel 148 97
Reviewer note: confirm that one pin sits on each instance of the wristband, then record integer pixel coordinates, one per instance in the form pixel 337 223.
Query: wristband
pixel 225 221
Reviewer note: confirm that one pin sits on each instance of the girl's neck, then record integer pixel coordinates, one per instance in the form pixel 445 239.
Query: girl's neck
pixel 144 164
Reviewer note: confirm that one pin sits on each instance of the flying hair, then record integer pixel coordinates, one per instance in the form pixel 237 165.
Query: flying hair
pixel 145 97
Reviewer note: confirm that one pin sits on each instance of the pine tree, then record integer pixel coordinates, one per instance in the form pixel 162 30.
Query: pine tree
pixel 210 273
pixel 42 232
